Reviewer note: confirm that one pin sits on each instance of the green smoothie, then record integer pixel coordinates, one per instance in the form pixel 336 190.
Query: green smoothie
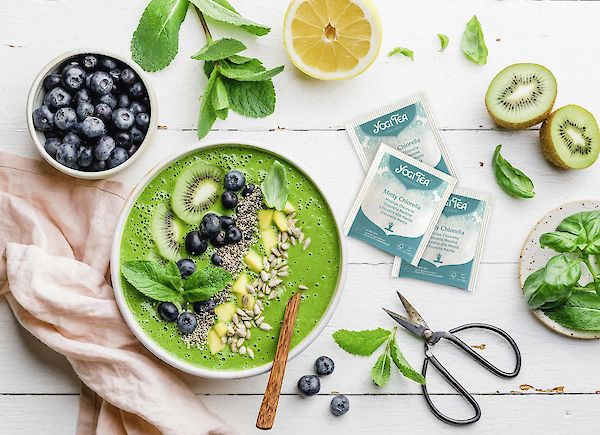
pixel 318 267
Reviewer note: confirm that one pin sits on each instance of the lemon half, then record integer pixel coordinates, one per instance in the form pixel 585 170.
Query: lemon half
pixel 332 39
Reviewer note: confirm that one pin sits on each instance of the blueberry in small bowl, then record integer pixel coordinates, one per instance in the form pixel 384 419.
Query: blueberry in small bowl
pixel 91 113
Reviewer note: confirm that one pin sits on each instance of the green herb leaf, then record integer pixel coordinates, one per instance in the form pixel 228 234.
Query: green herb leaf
pixel 403 365
pixel 222 11
pixel 560 241
pixel 562 271
pixel 157 282
pixel 539 294
pixel 243 74
pixel 380 373
pixel 200 294
pixel 251 99
pixel 239 60
pixel 581 312
pixel 473 42
pixel 444 40
pixel 275 186
pixel 403 51
pixel 155 41
pixel 361 342
pixel 207 277
pixel 510 179
pixel 220 100
pixel 207 116
pixel 219 49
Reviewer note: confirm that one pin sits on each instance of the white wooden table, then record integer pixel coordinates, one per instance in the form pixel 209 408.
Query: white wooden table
pixel 38 389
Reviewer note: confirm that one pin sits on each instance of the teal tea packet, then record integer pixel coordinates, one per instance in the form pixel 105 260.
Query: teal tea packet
pixel 408 126
pixel 399 204
pixel 454 250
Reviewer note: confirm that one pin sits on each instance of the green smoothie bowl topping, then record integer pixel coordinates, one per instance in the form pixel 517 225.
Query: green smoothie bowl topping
pixel 210 248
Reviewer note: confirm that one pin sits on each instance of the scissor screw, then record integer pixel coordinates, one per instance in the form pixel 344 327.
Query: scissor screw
pixel 427 334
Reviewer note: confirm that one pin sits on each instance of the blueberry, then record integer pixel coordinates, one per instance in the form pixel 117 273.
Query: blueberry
pixel 104 112
pixel 123 119
pixel 72 138
pixel 57 98
pixel 229 199
pixel 123 139
pixel 51 81
pixel 248 189
pixel 309 385
pixel 107 63
pixel 65 118
pixel 128 77
pixel 234 180
pixel 233 235
pixel 73 78
pixel 137 107
pixel 108 99
pixel 137 135
pixel 186 267
pixel 86 157
pixel 211 224
pixel 118 156
pixel 136 90
pixel 67 155
pixel 186 322
pixel 83 96
pixel 43 119
pixel 101 83
pixel 339 405
pixel 84 109
pixel 204 306
pixel 51 146
pixel 115 74
pixel 195 244
pixel 92 127
pixel 324 366
pixel 219 240
pixel 89 62
pixel 123 101
pixel 104 147
pixel 216 259
pixel 132 149
pixel 98 166
pixel 168 311
pixel 142 120
pixel 226 222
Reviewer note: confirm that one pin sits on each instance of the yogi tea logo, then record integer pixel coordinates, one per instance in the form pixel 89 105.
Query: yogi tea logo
pixel 417 176
pixel 394 120
pixel 456 203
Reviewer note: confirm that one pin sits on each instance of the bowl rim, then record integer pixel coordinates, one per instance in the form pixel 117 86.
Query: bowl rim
pixel 145 339
pixel 38 84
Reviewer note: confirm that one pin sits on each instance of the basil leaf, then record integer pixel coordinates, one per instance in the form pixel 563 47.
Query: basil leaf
pixel 222 11
pixel 581 312
pixel 560 241
pixel 403 51
pixel 444 40
pixel 207 277
pixel 562 270
pixel 473 42
pixel 510 179
pixel 157 282
pixel 380 373
pixel 539 294
pixel 219 49
pixel 361 342
pixel 243 74
pixel 207 116
pixel 155 42
pixel 403 365
pixel 275 186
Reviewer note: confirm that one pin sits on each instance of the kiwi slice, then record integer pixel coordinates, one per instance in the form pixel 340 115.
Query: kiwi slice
pixel 196 190
pixel 570 138
pixel 521 95
pixel 166 232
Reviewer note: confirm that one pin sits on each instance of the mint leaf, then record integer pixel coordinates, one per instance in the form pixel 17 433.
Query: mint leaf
pixel 219 49
pixel 240 60
pixel 220 100
pixel 275 186
pixel 403 365
pixel 207 116
pixel 361 342
pixel 473 42
pixel 245 74
pixel 201 294
pixel 155 42
pixel 160 283
pixel 444 40
pixel 222 11
pixel 207 277
pixel 251 99
pixel 380 373
pixel 403 51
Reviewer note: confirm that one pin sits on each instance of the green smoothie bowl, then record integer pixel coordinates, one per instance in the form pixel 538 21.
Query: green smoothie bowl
pixel 209 248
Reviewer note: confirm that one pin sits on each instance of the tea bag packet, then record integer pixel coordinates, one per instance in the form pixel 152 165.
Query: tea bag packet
pixel 454 250
pixel 408 126
pixel 399 204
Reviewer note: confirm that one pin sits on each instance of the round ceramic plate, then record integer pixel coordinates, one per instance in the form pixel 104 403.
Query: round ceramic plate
pixel 534 257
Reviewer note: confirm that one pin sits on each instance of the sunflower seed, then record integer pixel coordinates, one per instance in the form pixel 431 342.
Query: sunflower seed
pixel 241 328
pixel 240 333
pixel 273 295
pixel 268 290
pixel 230 330
pixel 248 335
pixel 264 276
pixel 267 266
pixel 224 339
pixel 247 324
pixel 243 350
pixel 260 305
pixel 250 289
pixel 293 240
pixel 282 274
pixel 285 255
pixel 235 319
pixel 285 246
pixel 272 257
pixel 265 261
pixel 259 321
pixel 261 295
pixel 240 342
pixel 282 264
pixel 302 287
pixel 284 268
pixel 292 214
pixel 265 326
pixel 255 283
pixel 256 309
pixel 298 234
pixel 250 353
pixel 284 237
pixel 234 348
pixel 279 238
pixel 306 244
pixel 274 282
pixel 276 252
pixel 239 312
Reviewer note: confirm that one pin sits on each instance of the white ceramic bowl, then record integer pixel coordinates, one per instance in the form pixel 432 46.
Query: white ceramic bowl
pixel 131 320
pixel 36 96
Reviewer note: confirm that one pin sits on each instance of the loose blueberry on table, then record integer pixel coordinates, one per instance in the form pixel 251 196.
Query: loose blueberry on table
pixel 324 366
pixel 339 405
pixel 95 113
pixel 309 385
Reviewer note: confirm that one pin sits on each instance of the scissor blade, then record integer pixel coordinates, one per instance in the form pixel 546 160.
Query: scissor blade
pixel 406 323
pixel 413 314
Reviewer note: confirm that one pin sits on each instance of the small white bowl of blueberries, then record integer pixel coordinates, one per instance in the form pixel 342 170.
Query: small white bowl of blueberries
pixel 91 113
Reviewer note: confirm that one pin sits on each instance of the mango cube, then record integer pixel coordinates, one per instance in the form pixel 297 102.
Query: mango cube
pixel 224 312
pixel 214 342
pixel 254 261
pixel 265 218
pixel 269 239
pixel 239 286
pixel 281 221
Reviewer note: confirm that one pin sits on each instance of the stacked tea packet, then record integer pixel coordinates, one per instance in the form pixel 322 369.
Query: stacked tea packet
pixel 408 205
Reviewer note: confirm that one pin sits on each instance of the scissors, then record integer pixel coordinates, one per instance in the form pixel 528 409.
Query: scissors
pixel 417 326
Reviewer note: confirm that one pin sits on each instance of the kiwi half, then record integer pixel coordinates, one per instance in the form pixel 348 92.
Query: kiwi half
pixel 196 190
pixel 167 233
pixel 521 95
pixel 570 138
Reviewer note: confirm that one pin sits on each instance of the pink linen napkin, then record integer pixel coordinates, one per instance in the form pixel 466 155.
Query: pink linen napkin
pixel 55 236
